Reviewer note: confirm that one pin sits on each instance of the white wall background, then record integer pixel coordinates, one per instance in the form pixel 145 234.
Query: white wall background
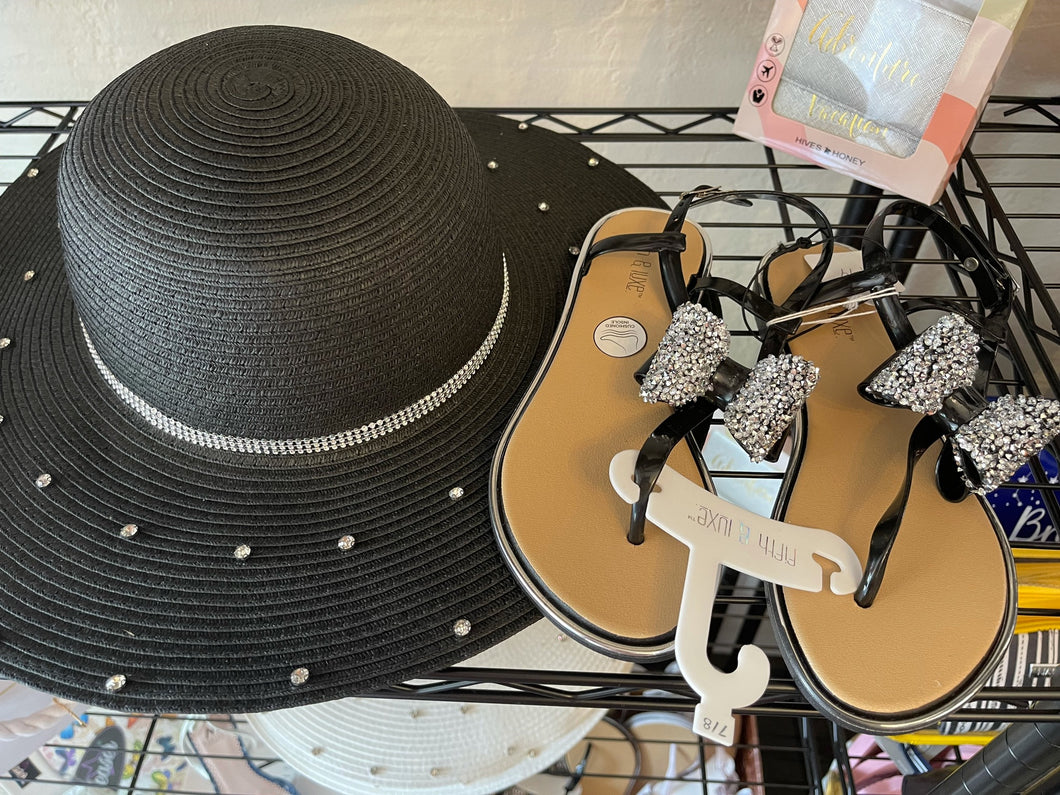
pixel 474 52
pixel 489 53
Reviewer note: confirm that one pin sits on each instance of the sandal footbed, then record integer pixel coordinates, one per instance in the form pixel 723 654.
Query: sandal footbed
pixel 561 515
pixel 944 605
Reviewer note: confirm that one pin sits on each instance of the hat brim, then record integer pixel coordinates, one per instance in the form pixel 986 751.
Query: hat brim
pixel 192 628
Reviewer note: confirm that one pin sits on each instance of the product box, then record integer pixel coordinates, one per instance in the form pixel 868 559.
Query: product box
pixel 885 91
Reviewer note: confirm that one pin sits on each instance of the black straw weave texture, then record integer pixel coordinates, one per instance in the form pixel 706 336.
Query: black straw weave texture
pixel 298 164
pixel 269 231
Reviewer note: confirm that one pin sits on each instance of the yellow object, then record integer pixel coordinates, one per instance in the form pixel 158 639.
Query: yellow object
pixel 936 738
pixel 1038 581
pixel 1036 554
pixel 1038 587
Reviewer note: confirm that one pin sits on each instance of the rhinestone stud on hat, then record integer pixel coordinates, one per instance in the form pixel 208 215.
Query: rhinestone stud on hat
pixel 299 676
pixel 242 552
pixel 461 627
pixel 128 531
pixel 115 683
pixel 43 479
pixel 346 543
pixel 456 493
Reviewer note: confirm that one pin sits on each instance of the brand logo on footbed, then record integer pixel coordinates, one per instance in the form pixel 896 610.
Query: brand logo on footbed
pixel 637 281
pixel 841 328
pixel 620 337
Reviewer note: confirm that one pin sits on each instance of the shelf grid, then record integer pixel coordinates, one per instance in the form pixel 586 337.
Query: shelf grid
pixel 1005 188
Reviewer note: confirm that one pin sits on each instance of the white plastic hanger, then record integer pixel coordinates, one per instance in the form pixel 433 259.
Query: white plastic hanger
pixel 719 533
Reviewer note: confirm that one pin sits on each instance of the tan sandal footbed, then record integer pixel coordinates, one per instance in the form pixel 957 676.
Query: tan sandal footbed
pixel 559 522
pixel 946 608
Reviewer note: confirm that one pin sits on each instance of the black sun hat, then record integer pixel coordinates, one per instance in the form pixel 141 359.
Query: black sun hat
pixel 263 318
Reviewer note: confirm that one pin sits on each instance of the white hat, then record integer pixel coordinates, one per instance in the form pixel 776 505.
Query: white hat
pixel 393 745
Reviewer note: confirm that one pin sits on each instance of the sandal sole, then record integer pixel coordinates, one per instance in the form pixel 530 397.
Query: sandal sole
pixel 945 612
pixel 558 522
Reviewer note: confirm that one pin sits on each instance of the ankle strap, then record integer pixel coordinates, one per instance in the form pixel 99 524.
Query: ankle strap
pixel 668 244
pixel 974 257
pixel 804 293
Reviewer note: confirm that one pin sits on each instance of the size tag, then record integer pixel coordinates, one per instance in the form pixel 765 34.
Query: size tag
pixel 719 533
pixel 716 724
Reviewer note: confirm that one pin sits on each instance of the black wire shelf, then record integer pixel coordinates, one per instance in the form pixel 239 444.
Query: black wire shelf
pixel 673 149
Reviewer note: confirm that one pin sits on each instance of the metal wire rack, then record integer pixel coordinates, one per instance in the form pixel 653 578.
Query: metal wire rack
pixel 1005 188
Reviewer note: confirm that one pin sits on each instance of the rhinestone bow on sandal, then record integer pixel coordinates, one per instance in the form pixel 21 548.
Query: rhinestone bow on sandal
pixel 685 365
pixel 943 374
pixel 942 551
pixel 1001 436
pixel 691 370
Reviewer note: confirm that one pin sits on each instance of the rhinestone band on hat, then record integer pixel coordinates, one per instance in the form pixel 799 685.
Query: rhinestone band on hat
pixel 316 444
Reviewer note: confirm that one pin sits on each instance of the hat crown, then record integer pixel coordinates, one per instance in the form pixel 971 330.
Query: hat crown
pixel 277 233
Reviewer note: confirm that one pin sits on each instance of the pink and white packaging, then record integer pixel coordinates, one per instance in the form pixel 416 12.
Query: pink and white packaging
pixel 885 91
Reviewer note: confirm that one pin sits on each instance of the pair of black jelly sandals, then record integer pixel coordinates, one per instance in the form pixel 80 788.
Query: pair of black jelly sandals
pixel 642 354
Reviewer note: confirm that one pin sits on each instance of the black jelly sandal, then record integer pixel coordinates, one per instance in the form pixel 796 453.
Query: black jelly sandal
pixel 554 512
pixel 558 522
pixel 862 660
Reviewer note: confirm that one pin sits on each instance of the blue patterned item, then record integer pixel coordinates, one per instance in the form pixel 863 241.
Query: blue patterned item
pixel 1022 511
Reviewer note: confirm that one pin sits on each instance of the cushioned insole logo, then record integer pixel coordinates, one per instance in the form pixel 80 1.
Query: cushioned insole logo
pixel 620 337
